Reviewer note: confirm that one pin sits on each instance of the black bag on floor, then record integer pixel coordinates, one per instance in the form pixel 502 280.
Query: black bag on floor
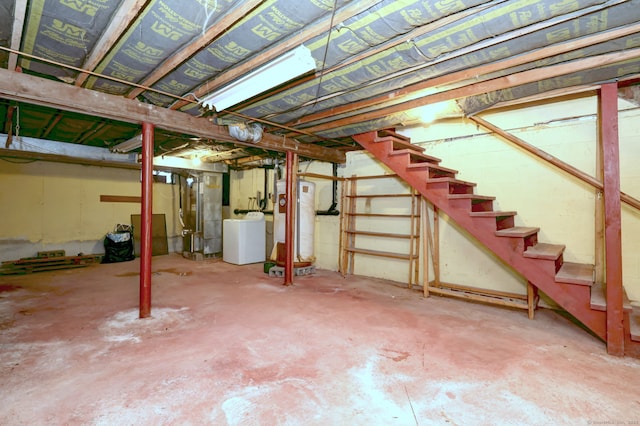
pixel 118 245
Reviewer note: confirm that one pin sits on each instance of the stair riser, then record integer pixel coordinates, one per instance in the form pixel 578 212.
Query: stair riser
pixel 450 188
pixel 575 299
pixel 432 172
pixel 495 223
pixel 398 143
pixel 404 160
pixel 520 245
pixel 632 341
pixel 482 206
pixel 435 173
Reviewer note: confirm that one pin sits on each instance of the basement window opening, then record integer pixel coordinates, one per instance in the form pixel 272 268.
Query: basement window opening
pixel 163 177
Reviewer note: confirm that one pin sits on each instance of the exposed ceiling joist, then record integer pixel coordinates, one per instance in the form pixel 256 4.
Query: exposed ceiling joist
pixel 500 83
pixel 50 93
pixel 376 61
pixel 118 25
pixel 253 63
pixel 19 13
pixel 471 75
pixel 631 94
pixel 174 61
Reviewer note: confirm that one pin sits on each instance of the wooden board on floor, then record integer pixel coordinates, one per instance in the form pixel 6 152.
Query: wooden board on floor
pixel 159 243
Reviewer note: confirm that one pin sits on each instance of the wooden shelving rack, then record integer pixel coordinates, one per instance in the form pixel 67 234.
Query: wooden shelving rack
pixel 349 231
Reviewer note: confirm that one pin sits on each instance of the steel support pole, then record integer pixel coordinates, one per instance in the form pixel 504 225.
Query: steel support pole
pixel 608 111
pixel 145 221
pixel 290 204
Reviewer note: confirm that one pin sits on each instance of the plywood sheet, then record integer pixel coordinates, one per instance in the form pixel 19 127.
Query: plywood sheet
pixel 159 244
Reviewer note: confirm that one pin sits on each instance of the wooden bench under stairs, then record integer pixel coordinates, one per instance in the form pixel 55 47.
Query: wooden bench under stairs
pixel 570 285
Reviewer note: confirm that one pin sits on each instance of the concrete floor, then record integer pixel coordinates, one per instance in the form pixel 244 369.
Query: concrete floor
pixel 229 345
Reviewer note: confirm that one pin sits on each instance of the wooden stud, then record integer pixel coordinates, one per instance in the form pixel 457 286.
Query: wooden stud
pixel 436 245
pixel 343 216
pixel 532 299
pixel 411 240
pixel 416 239
pixel 426 235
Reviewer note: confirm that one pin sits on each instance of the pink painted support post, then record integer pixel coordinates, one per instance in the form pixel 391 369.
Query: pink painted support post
pixel 608 110
pixel 145 221
pixel 289 219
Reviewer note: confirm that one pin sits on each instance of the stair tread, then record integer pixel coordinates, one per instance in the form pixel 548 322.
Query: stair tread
pixel 493 214
pixel 472 196
pixel 431 166
pixel 544 251
pixel 634 320
pixel 451 180
pixel 517 231
pixel 397 140
pixel 388 132
pixel 575 273
pixel 599 298
pixel 413 154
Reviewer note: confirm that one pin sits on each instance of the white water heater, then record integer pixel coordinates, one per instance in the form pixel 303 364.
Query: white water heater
pixel 304 228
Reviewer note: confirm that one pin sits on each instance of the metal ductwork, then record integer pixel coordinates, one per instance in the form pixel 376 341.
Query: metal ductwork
pixel 246 132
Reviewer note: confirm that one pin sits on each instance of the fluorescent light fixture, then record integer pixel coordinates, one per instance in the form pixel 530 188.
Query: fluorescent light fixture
pixel 288 66
pixel 128 145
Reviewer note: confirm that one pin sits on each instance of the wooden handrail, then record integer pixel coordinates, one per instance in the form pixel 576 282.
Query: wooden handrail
pixel 633 202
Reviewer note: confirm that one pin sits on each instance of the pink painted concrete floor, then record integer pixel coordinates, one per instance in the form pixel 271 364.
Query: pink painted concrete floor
pixel 227 345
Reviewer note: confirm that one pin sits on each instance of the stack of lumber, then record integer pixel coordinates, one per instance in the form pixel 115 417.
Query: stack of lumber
pixel 47 261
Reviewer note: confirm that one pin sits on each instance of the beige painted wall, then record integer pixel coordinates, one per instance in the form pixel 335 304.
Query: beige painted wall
pixel 48 206
pixel 562 206
pixel 246 183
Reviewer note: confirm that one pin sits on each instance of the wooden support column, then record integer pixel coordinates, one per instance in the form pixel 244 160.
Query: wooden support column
pixel 290 204
pixel 9 126
pixel 608 114
pixel 426 238
pixel 436 246
pixel 146 214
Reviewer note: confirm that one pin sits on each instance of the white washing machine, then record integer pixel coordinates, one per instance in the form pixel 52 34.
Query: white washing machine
pixel 243 240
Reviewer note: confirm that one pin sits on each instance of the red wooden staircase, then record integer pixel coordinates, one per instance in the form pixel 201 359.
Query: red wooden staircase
pixel 571 285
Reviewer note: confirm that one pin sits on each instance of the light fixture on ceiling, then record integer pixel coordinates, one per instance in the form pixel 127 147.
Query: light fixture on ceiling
pixel 287 67
pixel 128 145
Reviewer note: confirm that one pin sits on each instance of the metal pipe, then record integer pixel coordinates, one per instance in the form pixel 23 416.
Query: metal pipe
pixel 245 211
pixel 328 212
pixel 331 211
pixel 265 201
pixel 289 219
pixel 145 221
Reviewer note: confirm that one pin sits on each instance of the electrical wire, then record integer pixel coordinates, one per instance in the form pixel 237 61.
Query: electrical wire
pixel 326 50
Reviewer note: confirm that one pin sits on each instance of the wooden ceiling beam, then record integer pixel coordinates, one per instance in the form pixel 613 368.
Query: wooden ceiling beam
pixel 91 132
pixel 499 83
pixel 312 31
pixel 50 126
pixel 19 15
pixel 126 13
pixel 201 42
pixel 39 91
pixel 630 94
pixel 404 38
pixel 471 75
pixel 212 157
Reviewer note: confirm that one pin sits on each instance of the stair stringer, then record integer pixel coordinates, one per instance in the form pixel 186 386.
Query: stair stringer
pixel 575 299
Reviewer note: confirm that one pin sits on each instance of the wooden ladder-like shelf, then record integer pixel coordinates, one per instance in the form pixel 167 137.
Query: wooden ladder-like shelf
pixel 349 231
